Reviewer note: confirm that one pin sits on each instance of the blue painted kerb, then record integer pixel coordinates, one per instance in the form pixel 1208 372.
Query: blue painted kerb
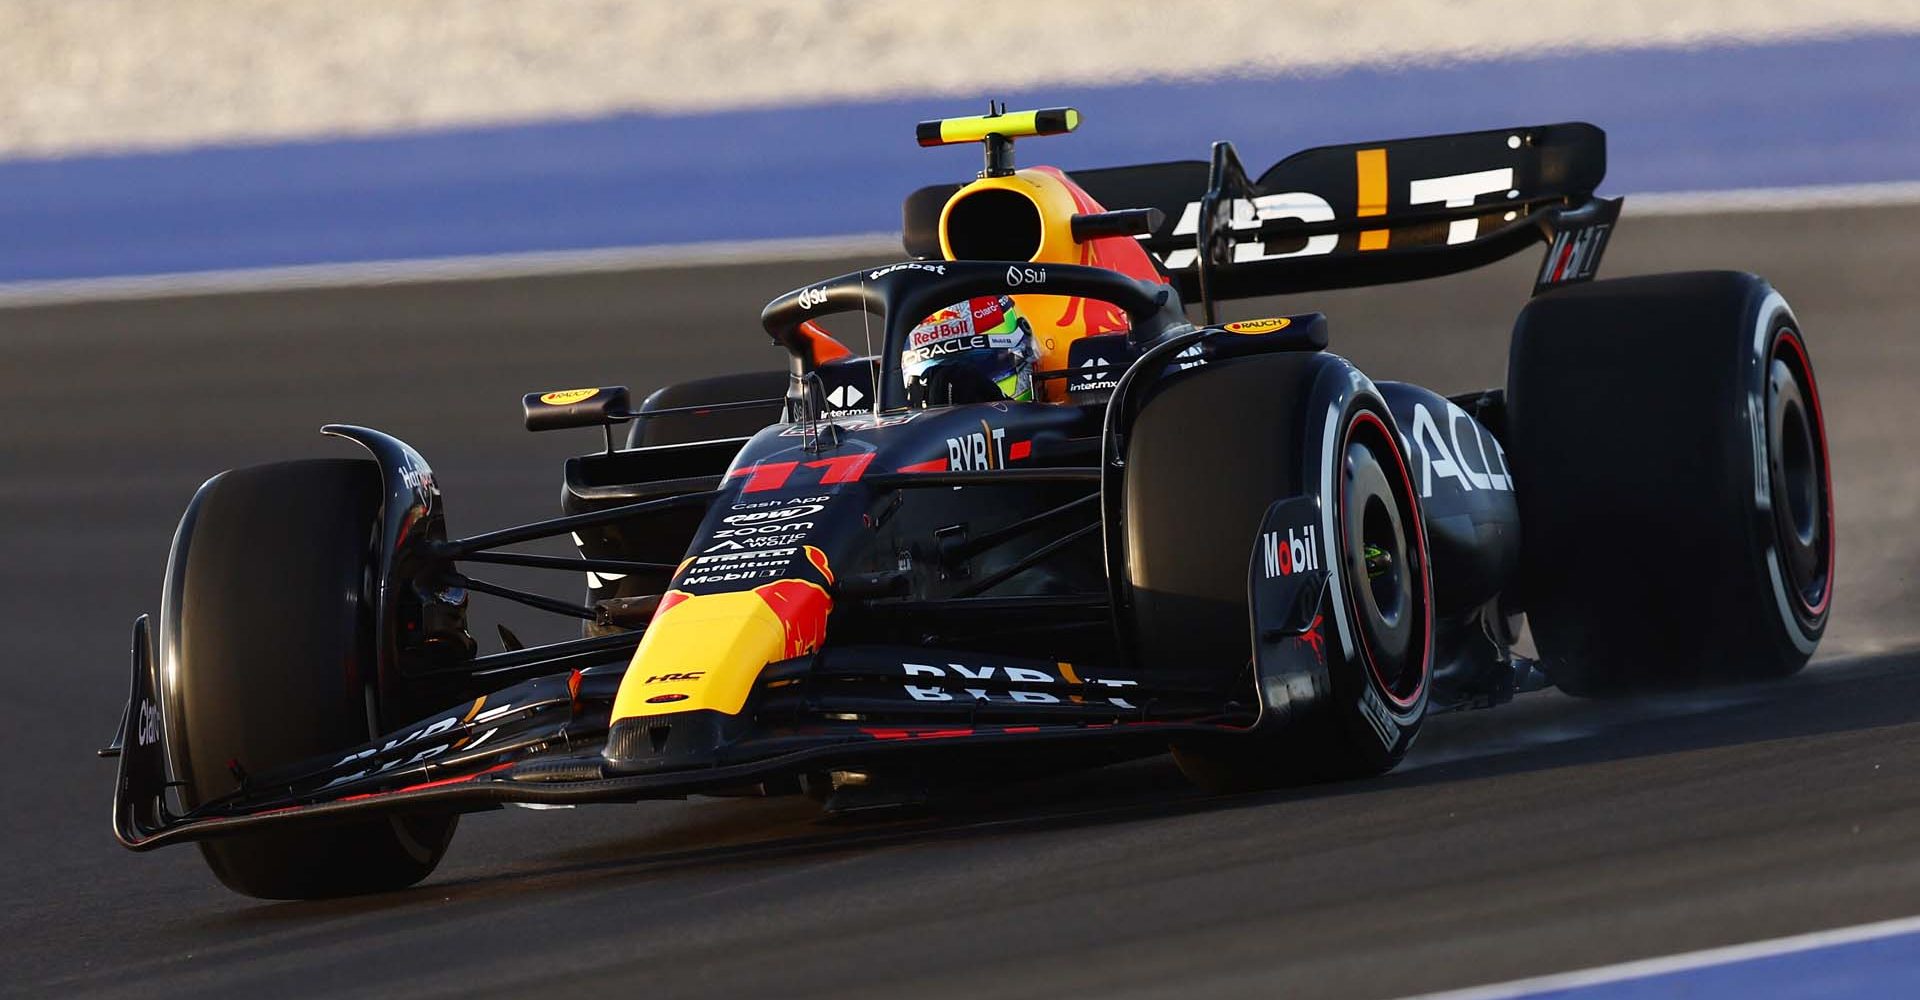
pixel 1738 116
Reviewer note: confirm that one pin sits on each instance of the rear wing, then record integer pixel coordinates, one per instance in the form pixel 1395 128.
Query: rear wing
pixel 1363 214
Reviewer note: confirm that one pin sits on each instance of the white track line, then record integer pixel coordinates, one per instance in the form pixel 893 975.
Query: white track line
pixel 1687 961
pixel 721 254
pixel 428 270
pixel 1782 199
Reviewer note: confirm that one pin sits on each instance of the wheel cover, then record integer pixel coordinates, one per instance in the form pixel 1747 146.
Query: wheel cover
pixel 1381 548
pixel 1799 478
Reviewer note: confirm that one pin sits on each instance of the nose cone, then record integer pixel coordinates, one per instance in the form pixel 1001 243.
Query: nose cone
pixel 701 656
pixel 705 651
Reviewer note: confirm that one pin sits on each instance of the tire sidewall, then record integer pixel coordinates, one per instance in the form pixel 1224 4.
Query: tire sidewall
pixel 1638 427
pixel 1793 628
pixel 1372 716
pixel 183 613
pixel 268 653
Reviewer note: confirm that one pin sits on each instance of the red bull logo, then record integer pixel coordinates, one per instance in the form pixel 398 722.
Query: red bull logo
pixel 1059 320
pixel 802 608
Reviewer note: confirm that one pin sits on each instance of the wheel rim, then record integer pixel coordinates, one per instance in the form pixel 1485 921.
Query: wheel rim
pixel 1801 489
pixel 1380 555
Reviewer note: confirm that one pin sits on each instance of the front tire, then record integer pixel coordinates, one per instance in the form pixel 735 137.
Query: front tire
pixel 267 640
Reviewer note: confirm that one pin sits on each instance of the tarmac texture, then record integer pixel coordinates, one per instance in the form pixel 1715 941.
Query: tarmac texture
pixel 1546 835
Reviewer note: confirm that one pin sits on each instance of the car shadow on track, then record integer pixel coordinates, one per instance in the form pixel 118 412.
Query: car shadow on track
pixel 1537 732
pixel 1552 730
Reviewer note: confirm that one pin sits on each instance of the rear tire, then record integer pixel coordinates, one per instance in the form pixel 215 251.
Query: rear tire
pixel 268 598
pixel 1670 462
pixel 1205 459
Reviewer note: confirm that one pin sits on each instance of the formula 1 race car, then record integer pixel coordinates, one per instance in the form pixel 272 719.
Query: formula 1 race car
pixel 869 577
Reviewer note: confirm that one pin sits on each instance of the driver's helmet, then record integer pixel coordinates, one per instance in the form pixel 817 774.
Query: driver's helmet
pixel 979 350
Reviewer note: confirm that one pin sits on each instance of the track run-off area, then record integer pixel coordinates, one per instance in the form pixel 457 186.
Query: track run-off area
pixel 1545 836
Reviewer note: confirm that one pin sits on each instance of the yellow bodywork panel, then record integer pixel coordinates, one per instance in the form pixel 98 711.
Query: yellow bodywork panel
pixel 1012 124
pixel 1051 200
pixel 1054 317
pixel 703 652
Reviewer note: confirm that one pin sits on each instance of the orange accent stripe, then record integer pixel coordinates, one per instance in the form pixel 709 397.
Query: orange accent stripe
pixel 415 788
pixel 821 344
pixel 672 597
pixel 1370 166
pixel 819 559
pixel 471 712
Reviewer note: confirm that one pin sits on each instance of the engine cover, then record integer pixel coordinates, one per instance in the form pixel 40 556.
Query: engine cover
pixel 1466 496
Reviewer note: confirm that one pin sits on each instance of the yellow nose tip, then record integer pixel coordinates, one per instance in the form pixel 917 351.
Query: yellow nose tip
pixel 705 651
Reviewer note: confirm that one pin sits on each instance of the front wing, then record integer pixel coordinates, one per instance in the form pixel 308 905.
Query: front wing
pixel 544 741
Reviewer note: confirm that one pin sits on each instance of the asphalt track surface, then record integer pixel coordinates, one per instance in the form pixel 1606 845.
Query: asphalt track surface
pixel 1547 835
